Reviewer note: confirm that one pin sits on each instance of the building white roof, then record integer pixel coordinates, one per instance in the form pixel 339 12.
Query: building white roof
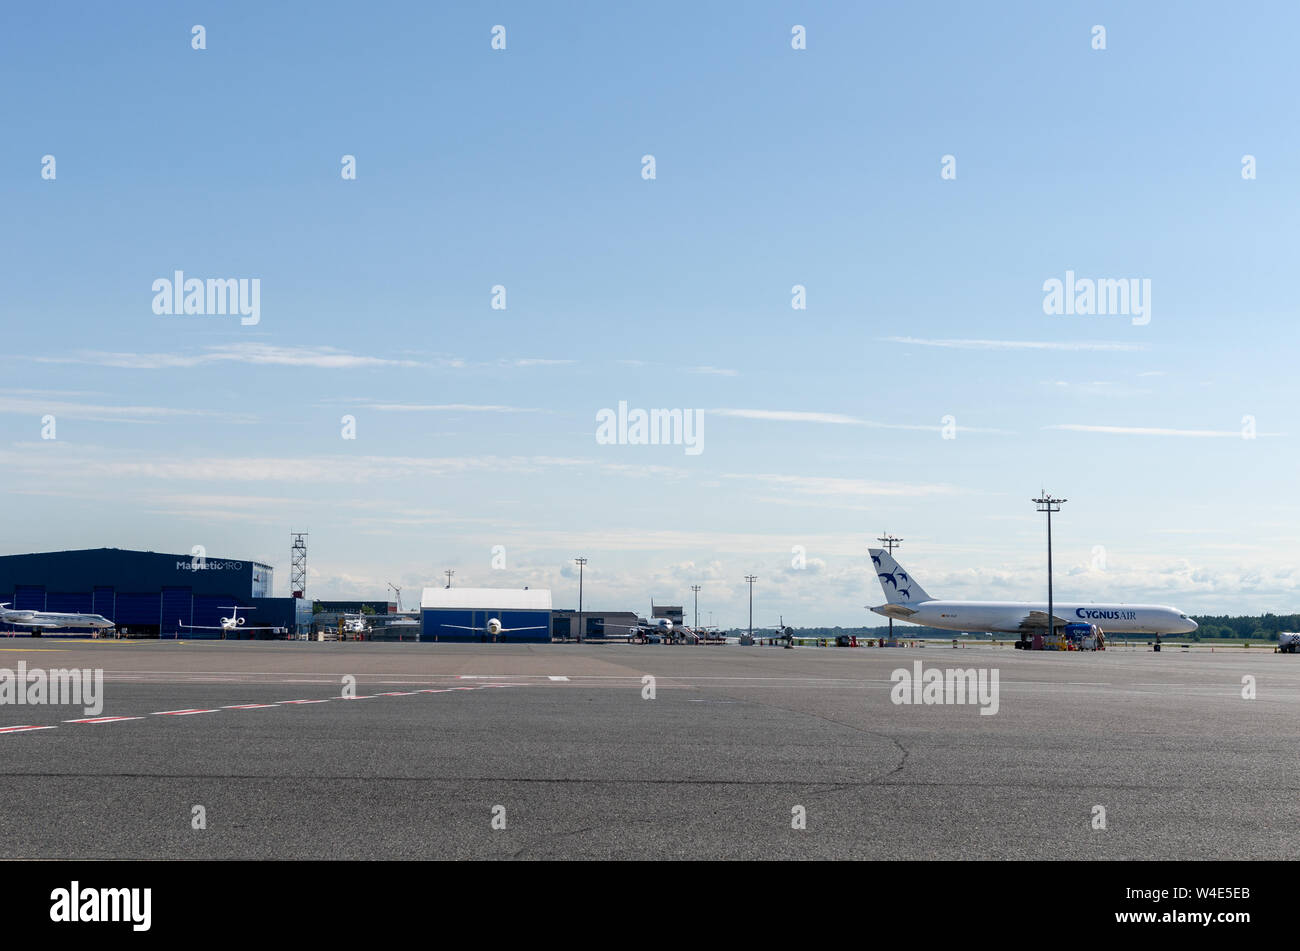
pixel 487 599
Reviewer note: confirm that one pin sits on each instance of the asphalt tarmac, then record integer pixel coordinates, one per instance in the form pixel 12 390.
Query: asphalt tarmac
pixel 564 747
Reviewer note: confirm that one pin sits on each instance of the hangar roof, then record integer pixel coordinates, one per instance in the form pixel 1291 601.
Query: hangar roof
pixel 487 599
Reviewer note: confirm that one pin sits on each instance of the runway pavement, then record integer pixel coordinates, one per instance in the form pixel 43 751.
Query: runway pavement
pixel 561 743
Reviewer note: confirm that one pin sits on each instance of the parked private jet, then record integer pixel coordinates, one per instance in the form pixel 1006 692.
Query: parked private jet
pixel 907 601
pixel 230 624
pixel 39 620
pixel 493 628
pixel 654 626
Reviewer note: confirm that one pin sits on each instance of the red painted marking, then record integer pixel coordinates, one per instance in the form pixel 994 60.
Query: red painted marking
pixel 249 706
pixel 180 713
pixel 396 693
pixel 103 719
pixel 23 729
pixel 305 701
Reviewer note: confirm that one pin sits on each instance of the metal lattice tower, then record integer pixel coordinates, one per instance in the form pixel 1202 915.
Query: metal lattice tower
pixel 298 565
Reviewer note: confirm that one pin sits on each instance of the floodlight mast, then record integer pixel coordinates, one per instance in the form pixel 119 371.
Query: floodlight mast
pixel 1047 504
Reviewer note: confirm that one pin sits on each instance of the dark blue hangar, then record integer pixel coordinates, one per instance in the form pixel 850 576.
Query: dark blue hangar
pixel 146 593
pixel 486 615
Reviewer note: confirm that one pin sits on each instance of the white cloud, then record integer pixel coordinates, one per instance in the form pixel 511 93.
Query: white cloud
pixel 833 486
pixel 260 354
pixel 960 344
pixel 841 419
pixel 100 412
pixel 449 408
pixel 1155 431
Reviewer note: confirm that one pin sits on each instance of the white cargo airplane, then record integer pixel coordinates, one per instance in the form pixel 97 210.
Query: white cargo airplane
pixel 907 601
pixel 494 628
pixel 52 619
pixel 229 624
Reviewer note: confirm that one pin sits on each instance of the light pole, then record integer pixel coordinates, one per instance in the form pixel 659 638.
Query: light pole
pixel 580 562
pixel 449 572
pixel 1049 505
pixel 696 589
pixel 751 579
pixel 890 543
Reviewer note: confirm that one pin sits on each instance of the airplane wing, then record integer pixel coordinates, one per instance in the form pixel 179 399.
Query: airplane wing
pixel 207 627
pixel 1036 620
pixel 484 630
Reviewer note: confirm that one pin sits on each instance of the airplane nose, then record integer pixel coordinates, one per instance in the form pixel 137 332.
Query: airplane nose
pixel 1193 624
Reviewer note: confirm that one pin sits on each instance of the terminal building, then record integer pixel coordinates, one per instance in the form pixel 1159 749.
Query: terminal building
pixel 447 613
pixel 148 594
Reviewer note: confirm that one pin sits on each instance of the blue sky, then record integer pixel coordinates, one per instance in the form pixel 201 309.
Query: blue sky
pixel 774 167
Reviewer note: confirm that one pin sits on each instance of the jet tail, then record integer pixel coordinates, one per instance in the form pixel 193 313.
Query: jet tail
pixel 899 586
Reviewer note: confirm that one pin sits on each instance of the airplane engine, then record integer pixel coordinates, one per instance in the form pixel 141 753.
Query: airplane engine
pixel 493 626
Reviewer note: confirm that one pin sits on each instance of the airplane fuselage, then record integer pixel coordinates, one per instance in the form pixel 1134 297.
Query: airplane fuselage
pixel 54 619
pixel 1005 617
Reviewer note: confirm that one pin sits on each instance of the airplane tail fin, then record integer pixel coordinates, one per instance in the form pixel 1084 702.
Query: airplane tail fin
pixel 899 586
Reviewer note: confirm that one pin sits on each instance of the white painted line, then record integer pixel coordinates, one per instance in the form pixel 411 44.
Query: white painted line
pixel 249 706
pixel 557 678
pixel 396 693
pixel 23 729
pixel 103 719
pixel 327 700
pixel 179 713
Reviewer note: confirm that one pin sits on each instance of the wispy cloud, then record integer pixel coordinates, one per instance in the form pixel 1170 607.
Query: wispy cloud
pixel 961 344
pixel 1155 431
pixel 260 354
pixel 449 408
pixel 832 486
pixel 713 371
pixel 99 412
pixel 841 419
pixel 790 416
